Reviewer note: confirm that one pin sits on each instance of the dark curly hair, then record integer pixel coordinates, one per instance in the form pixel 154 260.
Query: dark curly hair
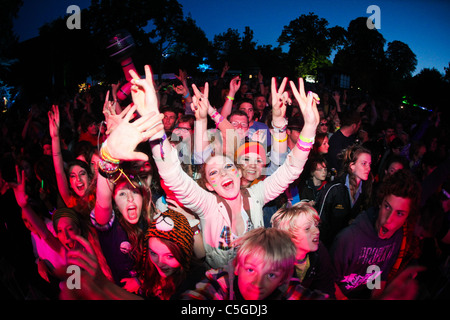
pixel 403 184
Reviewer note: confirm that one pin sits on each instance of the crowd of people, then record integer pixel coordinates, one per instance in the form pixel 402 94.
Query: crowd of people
pixel 229 189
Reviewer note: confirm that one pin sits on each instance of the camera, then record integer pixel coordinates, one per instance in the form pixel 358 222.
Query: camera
pixel 120 48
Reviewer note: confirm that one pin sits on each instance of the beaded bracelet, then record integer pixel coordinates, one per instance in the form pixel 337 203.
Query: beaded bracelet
pixel 106 168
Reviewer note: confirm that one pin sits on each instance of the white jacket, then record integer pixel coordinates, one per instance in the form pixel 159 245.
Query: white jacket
pixel 213 215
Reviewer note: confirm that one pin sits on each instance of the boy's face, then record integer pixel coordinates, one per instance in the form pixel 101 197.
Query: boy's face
pixel 257 279
pixel 306 235
pixel 393 213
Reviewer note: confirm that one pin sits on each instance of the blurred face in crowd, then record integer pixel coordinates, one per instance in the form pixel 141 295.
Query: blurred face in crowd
pixel 162 258
pixel 361 167
pixel 47 149
pixel 252 165
pixel 240 124
pixel 93 129
pixel 79 180
pixel 393 168
pixel 129 201
pixel 248 109
pixel 169 120
pixel 323 149
pixel 260 103
pixel 320 174
pixel 184 131
pixel 393 213
pixel 323 126
pixel 65 231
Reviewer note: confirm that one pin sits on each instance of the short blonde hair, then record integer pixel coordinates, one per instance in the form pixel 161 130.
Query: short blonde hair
pixel 272 245
pixel 285 218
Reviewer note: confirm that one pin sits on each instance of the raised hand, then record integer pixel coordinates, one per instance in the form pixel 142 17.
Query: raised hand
pixel 144 96
pixel 182 76
pixel 235 84
pixel 200 102
pixel 112 119
pixel 53 120
pixel 124 139
pixel 307 103
pixel 85 259
pixel 280 98
pixel 19 188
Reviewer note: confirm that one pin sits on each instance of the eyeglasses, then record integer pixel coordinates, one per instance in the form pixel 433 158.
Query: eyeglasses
pixel 324 123
pixel 241 124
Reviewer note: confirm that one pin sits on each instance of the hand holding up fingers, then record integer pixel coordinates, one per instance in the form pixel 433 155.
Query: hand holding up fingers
pixel 124 139
pixel 308 104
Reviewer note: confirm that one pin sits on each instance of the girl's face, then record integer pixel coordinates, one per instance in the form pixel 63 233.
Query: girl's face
pixel 94 163
pixel 324 146
pixel 361 167
pixel 79 180
pixel 252 166
pixel 223 177
pixel 257 279
pixel 65 231
pixel 321 172
pixel 162 258
pixel 306 235
pixel 129 201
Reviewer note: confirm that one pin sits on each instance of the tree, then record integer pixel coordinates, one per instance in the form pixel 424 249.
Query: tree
pixel 401 60
pixel 10 9
pixel 363 56
pixel 310 42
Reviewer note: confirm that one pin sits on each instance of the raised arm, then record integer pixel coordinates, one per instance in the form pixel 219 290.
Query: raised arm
pixel 280 98
pixel 235 84
pixel 308 106
pixel 58 162
pixel 31 220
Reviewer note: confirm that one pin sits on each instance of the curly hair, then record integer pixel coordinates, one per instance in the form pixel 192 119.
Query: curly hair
pixel 403 184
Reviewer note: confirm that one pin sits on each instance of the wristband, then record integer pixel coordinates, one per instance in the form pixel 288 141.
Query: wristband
pixel 304 144
pixel 302 138
pixel 280 129
pixel 282 140
pixel 230 98
pixel 219 121
pixel 305 148
pixel 104 154
pixel 186 96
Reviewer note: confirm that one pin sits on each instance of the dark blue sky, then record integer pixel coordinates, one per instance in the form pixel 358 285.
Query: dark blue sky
pixel 423 25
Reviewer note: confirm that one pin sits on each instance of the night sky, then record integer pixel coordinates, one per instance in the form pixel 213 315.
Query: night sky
pixel 422 25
